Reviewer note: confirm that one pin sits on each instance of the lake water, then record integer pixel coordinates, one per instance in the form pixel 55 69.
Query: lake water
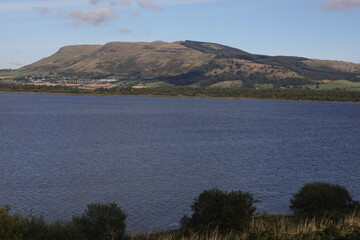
pixel 153 156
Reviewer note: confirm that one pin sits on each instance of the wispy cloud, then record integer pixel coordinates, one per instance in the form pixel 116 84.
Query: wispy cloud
pixel 26 5
pixel 149 4
pixel 94 2
pixel 125 30
pixel 112 2
pixel 96 17
pixel 124 3
pixel 341 4
pixel 183 2
pixel 135 14
pixel 42 10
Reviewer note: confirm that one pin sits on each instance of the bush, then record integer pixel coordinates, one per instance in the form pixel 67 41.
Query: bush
pixel 18 227
pixel 217 209
pixel 317 199
pixel 61 230
pixel 101 221
pixel 11 226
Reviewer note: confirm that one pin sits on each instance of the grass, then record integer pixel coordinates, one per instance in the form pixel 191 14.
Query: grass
pixel 159 84
pixel 236 83
pixel 274 227
pixel 338 84
pixel 195 85
pixel 15 74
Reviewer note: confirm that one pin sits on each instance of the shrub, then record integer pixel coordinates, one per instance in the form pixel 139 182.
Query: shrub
pixel 317 199
pixel 11 226
pixel 101 221
pixel 36 229
pixel 217 209
pixel 61 230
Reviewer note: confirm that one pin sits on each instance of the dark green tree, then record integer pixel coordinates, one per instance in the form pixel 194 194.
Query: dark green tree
pixel 317 199
pixel 101 222
pixel 217 209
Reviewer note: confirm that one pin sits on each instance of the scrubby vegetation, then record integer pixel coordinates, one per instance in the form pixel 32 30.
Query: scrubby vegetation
pixel 281 94
pixel 99 221
pixel 322 199
pixel 216 215
pixel 225 211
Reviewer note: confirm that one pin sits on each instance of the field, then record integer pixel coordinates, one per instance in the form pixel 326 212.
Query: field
pixel 338 84
pixel 159 84
pixel 79 86
pixel 14 74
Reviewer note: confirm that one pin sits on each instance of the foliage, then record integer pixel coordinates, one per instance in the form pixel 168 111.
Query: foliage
pixel 98 216
pixel 317 199
pixel 222 208
pixel 217 209
pixel 61 230
pixel 11 226
pixel 99 221
pixel 286 94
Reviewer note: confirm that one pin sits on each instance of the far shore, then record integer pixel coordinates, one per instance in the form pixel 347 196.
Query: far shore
pixel 169 96
pixel 185 92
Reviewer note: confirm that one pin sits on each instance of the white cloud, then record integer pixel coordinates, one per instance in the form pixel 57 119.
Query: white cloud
pixel 341 4
pixel 97 17
pixel 149 4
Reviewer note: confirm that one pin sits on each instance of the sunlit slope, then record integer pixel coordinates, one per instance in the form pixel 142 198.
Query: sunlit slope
pixel 190 63
pixel 65 57
pixel 124 59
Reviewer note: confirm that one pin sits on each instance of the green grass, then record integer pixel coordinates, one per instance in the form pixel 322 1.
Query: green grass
pixel 195 85
pixel 275 94
pixel 338 84
pixel 159 84
pixel 14 74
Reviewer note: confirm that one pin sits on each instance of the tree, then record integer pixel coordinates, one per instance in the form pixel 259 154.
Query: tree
pixel 102 221
pixel 217 209
pixel 317 199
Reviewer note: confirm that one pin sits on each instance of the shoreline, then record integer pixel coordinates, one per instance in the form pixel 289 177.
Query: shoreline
pixel 170 96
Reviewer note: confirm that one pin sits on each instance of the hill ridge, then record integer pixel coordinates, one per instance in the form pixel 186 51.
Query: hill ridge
pixel 189 62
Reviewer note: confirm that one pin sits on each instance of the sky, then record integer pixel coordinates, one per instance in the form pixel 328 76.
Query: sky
pixel 323 29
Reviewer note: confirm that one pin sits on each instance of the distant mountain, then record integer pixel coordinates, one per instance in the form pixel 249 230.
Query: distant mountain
pixel 190 63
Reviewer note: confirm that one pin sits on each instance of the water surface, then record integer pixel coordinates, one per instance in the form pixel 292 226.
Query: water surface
pixel 154 155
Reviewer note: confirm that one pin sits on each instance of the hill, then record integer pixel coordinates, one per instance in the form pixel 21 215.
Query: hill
pixel 190 63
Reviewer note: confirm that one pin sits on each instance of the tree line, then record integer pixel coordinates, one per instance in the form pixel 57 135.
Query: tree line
pixel 211 92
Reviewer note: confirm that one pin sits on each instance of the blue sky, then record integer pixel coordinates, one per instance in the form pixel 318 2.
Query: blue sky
pixel 323 29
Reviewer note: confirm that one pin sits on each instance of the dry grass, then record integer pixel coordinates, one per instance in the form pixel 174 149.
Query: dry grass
pixel 80 86
pixel 249 67
pixel 280 227
pixel 338 65
pixel 228 84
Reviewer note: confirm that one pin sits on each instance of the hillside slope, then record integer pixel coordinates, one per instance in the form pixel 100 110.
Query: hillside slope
pixel 190 63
